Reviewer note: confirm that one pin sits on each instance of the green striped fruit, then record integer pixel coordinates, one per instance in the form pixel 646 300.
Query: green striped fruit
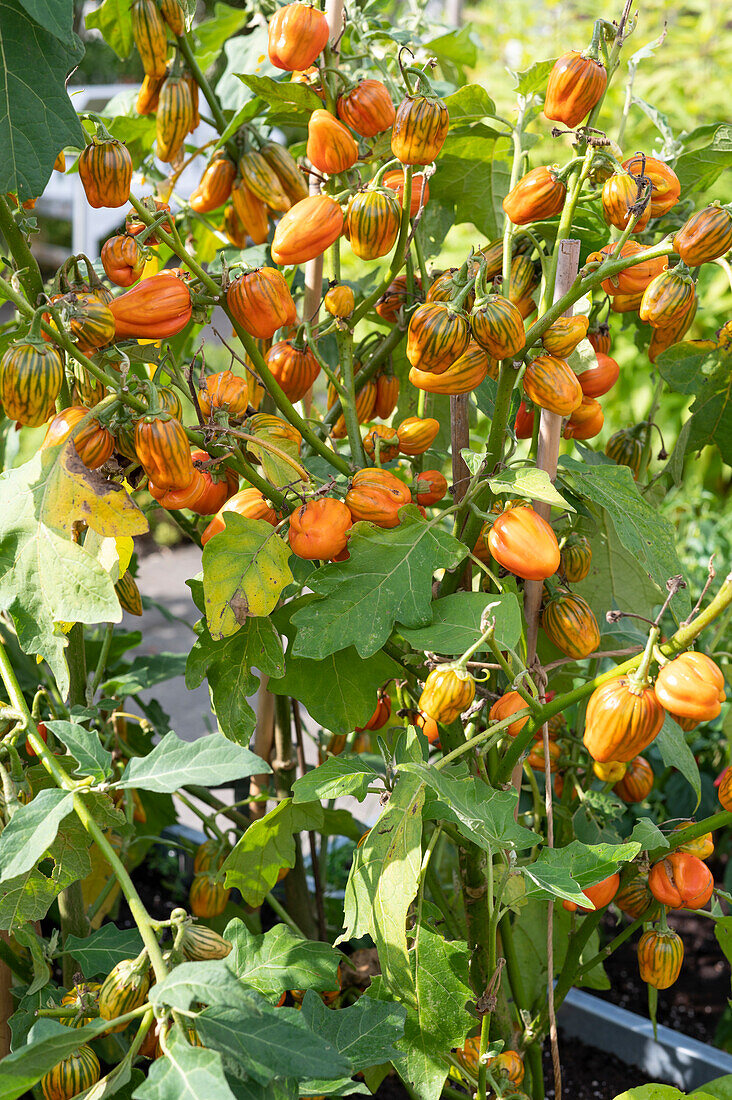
pixel 552 385
pixel 667 298
pixel 626 449
pixel 372 222
pixel 524 278
pixel 576 558
pixel 124 989
pixel 569 623
pixel 170 402
pixel 436 337
pixel 173 118
pixel 105 170
pixel 128 594
pixel 263 181
pixel 150 35
pixel 31 375
pixel 80 997
pixel 73 1075
pixel 636 899
pixel 210 855
pixel 207 896
pixel 200 942
pixel 285 167
pixel 705 237
pixel 174 15
pixel 498 326
pixel 163 451
pixel 660 955
pixel 420 129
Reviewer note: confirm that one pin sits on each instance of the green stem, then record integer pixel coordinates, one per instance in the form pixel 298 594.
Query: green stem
pixel 29 274
pixel 344 339
pixel 18 966
pixel 367 372
pixel 508 226
pixel 209 95
pixel 101 664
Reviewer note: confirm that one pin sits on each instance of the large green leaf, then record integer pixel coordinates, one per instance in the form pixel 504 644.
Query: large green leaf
pixel 267 846
pixel 648 536
pixel 36 115
pixel 336 776
pixel 456 619
pixel 280 960
pixel 676 753
pixel 31 830
pixel 484 816
pixel 210 982
pixel 473 177
pixel 564 872
pixel 48 1042
pixel 103 949
pixel 616 578
pixel 212 33
pixel 384 877
pixel 684 368
pixel 290 102
pixel 55 16
pixel 85 746
pixel 708 152
pixel 209 762
pixel 471 103
pixel 244 571
pixel 711 413
pixel 387 579
pixel 228 665
pixel 339 691
pixel 188 1074
pixel 113 20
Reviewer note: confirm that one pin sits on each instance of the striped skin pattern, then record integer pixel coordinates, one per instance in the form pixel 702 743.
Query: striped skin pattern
pixel 436 337
pixel 105 170
pixel 163 451
pixel 568 622
pixel 552 384
pixel 285 166
pixel 215 184
pixel 263 181
pixel 705 237
pixel 251 211
pixel 31 376
pixel 447 693
pixel 157 307
pixel 666 299
pixel 330 148
pixel 367 108
pixel 261 302
pixel 128 594
pixel 576 83
pixel 619 193
pixel 73 1075
pixel 626 450
pixel 537 195
pixel 420 129
pixel 660 955
pixel 94 444
pixel 150 35
pixel 293 368
pixel 622 719
pixel 174 117
pixel 372 223
pixel 224 390
pixel 564 335
pixel 498 326
pixel 446 287
pixel 576 558
pixel 124 989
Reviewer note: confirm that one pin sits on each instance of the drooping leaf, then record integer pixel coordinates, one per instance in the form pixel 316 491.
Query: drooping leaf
pixel 113 20
pixel 85 746
pixel 530 483
pixel 228 665
pixel 28 938
pixel 335 777
pixel 267 846
pixel 456 622
pixel 211 34
pixel 244 571
pixel 564 872
pixel 387 579
pixel 188 1074
pixel 280 960
pixel 37 118
pixel 288 101
pixel 338 691
pixel 676 753
pixel 484 816
pixel 209 761
pixel 31 830
pixel 103 949
pixel 648 536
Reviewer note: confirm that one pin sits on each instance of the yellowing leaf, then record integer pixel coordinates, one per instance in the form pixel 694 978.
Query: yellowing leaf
pixel 67 493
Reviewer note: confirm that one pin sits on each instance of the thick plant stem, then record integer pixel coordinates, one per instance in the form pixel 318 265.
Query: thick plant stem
pixel 73 923
pixel 284 766
pixel 680 641
pixel 367 371
pixel 29 274
pixel 344 339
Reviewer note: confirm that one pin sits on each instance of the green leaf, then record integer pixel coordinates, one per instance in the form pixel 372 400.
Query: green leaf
pixel 684 368
pixel 27 937
pixel 703 161
pixel 48 1043
pixel 37 118
pixel 114 22
pixel 209 761
pixel 616 579
pixel 31 830
pixel 339 691
pixel 85 747
pixel 244 571
pixel 291 101
pixel 528 482
pixel 471 103
pixel 228 664
pixel 45 577
pixel 144 672
pixel 57 18
pixel 387 579
pixel 277 470
pixel 456 619
pixel 676 753
pixel 267 846
pixel 27 897
pixel 384 878
pixel 138 134
pixel 212 982
pixel 244 54
pixel 459 46
pixel 533 81
pixel 270 1042
pixel 530 943
pixel 103 949
pixel 711 413
pixel 335 777
pixel 648 536
pixel 188 1074
pixel 280 960
pixel 648 835
pixel 213 33
pixel 654 1092
pixel 484 816
pixel 364 1033
pixel 473 178
pixel 564 872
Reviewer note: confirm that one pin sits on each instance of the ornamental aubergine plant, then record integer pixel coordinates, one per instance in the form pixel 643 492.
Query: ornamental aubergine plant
pixel 426 380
